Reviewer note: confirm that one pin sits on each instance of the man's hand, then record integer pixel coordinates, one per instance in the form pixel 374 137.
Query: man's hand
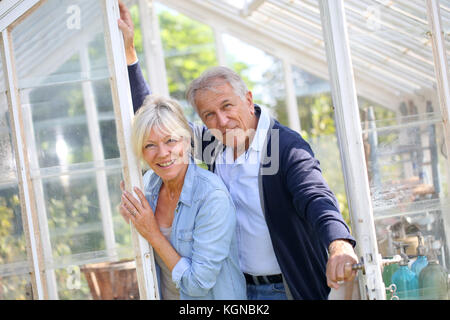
pixel 340 262
pixel 126 25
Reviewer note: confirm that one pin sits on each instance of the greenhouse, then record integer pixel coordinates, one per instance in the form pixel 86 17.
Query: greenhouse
pixel 365 82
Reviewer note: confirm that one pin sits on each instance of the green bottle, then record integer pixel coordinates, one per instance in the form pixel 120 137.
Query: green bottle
pixel 433 280
pixel 390 269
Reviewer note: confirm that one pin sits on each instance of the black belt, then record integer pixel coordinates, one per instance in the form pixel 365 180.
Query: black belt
pixel 257 280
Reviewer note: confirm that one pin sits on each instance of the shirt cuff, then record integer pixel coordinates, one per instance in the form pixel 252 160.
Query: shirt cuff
pixel 177 272
pixel 132 64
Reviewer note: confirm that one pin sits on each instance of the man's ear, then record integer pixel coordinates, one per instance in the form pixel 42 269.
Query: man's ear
pixel 249 100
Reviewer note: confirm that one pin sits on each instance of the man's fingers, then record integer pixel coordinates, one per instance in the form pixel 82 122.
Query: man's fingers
pixel 122 26
pixel 125 15
pixel 349 273
pixel 332 284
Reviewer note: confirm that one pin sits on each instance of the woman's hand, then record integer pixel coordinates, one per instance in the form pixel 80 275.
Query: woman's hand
pixel 140 213
pixel 143 218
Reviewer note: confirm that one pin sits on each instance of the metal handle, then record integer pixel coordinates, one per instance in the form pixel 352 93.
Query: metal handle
pixel 384 262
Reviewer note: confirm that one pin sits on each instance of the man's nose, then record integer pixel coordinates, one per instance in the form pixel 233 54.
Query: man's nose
pixel 222 119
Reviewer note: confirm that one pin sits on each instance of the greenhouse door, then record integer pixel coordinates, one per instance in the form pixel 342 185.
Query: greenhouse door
pixel 396 168
pixel 65 129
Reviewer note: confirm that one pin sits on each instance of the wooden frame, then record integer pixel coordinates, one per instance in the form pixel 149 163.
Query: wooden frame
pixel 145 264
pixel 29 213
pixel 12 10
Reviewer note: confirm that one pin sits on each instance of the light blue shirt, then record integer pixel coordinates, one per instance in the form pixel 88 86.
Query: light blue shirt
pixel 204 235
pixel 256 254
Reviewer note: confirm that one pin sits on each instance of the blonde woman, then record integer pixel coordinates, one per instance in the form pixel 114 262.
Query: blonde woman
pixel 185 212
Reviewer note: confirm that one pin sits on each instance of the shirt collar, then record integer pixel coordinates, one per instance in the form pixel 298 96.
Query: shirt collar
pixel 261 129
pixel 186 195
pixel 187 191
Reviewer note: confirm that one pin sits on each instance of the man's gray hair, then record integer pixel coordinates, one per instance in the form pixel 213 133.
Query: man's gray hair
pixel 214 77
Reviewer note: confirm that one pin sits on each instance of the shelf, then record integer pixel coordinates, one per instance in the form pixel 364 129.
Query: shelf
pixel 407 122
pixel 411 208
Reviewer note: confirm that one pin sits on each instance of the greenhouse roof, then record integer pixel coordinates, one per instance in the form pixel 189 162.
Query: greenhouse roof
pixel 389 40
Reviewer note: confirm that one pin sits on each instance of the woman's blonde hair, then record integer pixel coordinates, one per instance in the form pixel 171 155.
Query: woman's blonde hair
pixel 162 114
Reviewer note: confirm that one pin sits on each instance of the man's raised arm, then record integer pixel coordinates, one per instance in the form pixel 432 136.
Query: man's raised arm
pixel 138 85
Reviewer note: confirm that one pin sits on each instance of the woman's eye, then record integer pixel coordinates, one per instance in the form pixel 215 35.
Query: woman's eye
pixel 172 141
pixel 149 145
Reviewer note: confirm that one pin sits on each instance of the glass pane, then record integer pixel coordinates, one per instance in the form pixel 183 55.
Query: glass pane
pixel 403 140
pixel 189 49
pixel 71 141
pixel 445 19
pixel 262 73
pixel 15 281
pixel 318 128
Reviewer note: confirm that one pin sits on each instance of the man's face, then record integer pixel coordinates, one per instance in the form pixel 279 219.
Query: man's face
pixel 231 119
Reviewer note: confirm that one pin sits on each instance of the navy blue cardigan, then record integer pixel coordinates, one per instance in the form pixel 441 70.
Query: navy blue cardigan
pixel 301 211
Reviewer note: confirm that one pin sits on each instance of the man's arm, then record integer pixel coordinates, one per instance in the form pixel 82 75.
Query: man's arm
pixel 138 85
pixel 316 203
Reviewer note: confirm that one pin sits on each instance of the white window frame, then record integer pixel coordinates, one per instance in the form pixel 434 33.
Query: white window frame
pixel 11 12
pixel 348 128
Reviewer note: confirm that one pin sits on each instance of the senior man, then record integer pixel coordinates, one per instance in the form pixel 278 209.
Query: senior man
pixel 293 242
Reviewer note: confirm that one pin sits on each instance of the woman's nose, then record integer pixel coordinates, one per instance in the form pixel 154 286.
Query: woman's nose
pixel 164 150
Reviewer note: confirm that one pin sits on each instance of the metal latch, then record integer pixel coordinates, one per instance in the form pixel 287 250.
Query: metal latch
pixel 384 262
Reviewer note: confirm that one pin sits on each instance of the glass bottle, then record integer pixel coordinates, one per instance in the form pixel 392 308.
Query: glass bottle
pixel 421 261
pixel 389 269
pixel 406 281
pixel 433 280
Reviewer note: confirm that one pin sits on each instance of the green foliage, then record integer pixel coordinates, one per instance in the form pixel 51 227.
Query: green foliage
pixel 12 243
pixel 189 50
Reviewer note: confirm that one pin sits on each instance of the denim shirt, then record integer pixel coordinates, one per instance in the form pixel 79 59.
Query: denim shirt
pixel 204 235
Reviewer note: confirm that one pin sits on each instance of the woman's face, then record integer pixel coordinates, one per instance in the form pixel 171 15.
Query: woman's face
pixel 165 154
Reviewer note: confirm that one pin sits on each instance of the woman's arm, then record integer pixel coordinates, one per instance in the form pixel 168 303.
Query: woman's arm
pixel 214 229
